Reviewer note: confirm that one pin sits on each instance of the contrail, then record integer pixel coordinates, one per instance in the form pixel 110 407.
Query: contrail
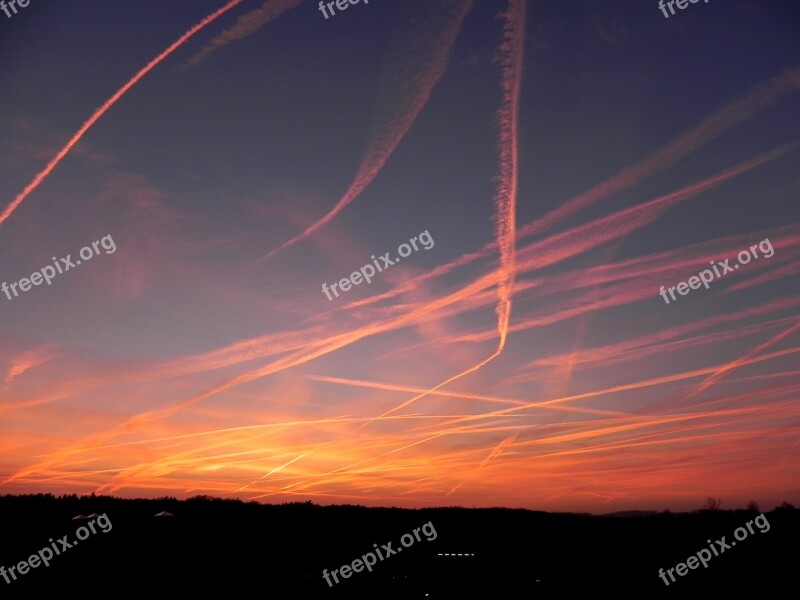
pixel 716 124
pixel 247 24
pixel 108 104
pixel 506 197
pixel 733 113
pixel 429 70
pixel 734 364
pixel 496 451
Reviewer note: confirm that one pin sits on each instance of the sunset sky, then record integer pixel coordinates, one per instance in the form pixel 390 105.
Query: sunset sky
pixel 567 158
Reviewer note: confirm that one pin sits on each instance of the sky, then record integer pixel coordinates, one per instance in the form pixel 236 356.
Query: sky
pixel 523 253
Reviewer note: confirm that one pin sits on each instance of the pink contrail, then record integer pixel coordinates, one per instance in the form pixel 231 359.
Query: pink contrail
pixel 247 24
pixel 742 360
pixel 108 104
pixel 506 197
pixel 735 112
pixel 728 116
pixel 390 136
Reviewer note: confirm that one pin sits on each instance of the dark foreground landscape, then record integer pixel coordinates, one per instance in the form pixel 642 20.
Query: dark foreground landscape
pixel 203 546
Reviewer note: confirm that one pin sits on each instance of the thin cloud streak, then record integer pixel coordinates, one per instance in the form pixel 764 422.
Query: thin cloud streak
pixel 433 59
pixel 247 24
pixel 106 106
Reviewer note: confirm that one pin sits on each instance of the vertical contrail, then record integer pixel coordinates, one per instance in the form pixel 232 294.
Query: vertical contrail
pixel 108 104
pixel 506 196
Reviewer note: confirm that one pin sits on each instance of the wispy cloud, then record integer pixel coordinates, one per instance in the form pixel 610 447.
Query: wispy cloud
pixel 247 24
pixel 404 95
pixel 30 359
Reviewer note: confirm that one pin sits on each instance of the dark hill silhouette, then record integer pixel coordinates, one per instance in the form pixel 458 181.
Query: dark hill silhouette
pixel 210 546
